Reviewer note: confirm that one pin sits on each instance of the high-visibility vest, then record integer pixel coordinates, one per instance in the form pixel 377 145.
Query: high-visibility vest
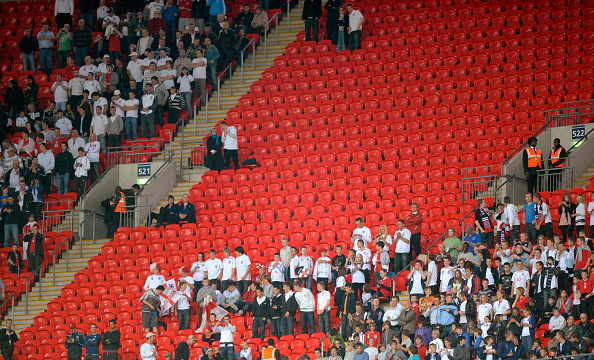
pixel 534 157
pixel 268 353
pixel 121 206
pixel 555 156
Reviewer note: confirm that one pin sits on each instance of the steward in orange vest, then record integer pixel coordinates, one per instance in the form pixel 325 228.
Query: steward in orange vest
pixel 558 155
pixel 532 160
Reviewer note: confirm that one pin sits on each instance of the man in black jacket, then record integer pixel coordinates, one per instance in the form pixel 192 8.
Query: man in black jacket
pixel 288 310
pixel 312 12
pixel 99 49
pixel 34 240
pixel 111 342
pixel 182 351
pixel 64 161
pixel 243 20
pixel 226 47
pixel 346 308
pixel 276 307
pixel 260 313
pixel 332 19
pixel 82 38
pixel 7 339
pixel 11 213
pixel 28 47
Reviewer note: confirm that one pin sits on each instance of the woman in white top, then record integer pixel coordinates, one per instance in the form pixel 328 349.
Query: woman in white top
pixel 154 280
pixel 580 214
pixel 197 271
pixel 417 277
pixel 92 150
pixel 357 275
pixel 185 81
pixel 384 237
pixel 227 330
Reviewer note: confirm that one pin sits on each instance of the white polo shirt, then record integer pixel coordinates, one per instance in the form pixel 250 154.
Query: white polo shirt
pixel 401 246
pixel 213 268
pixel 228 268
pixel 323 298
pixel 135 70
pixel 242 264
pixel 229 141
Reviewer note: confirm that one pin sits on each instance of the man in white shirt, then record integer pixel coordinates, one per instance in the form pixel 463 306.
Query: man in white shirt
pixel 99 127
pixel 501 306
pixel 511 213
pixel 75 142
pixel 323 307
pixel 243 269
pixel 544 222
pixel 199 73
pixel 230 145
pixel 392 314
pixel 307 304
pixel 47 160
pixel 227 333
pixel 361 232
pixel 87 68
pixel 182 306
pixel 402 241
pixel 60 90
pixel 521 278
pixel 556 322
pixel 92 85
pixel 76 86
pixel 148 350
pixel 446 273
pixel 355 28
pixel 277 271
pixel 228 269
pixel 64 124
pixel 590 212
pixel 134 70
pixel 214 268
pixel 131 116
pixel 306 263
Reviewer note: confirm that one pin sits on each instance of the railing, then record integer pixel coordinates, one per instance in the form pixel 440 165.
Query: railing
pixel 470 213
pixel 27 281
pixel 554 179
pixel 570 114
pixel 190 146
pixel 229 69
pixel 5 304
pixel 325 336
pixel 92 215
pixel 479 186
pixel 66 241
pixel 134 215
pixel 55 217
pixel 242 55
pixel 580 140
pixel 568 357
pixel 275 17
pixel 197 106
pixel 509 178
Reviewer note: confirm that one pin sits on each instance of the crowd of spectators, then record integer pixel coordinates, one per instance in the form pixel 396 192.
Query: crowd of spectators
pixel 495 294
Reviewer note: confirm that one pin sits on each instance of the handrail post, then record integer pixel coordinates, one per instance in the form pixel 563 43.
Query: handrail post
pixel 40 278
pixel 196 112
pixel 276 27
pixel 12 309
pixel 219 93
pixel 94 218
pixel 230 80
pixel 241 58
pixel 206 106
pixel 288 16
pixel 265 43
pixel 54 269
pixel 181 163
pixel 254 57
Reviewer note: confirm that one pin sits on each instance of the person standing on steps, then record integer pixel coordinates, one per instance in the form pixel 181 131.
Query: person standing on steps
pixel 556 162
pixel 532 161
pixel 230 147
pixel 312 12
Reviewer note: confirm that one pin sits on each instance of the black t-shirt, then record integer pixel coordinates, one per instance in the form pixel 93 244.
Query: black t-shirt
pixel 506 282
pixel 339 260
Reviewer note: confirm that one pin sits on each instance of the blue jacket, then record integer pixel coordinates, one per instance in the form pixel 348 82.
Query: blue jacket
pixel 169 13
pixel 520 352
pixel 92 343
pixel 532 322
pixel 189 210
pixel 505 348
pixel 216 7
pixel 74 348
pixel 564 349
pixel 465 335
pixel 212 53
pixel 444 317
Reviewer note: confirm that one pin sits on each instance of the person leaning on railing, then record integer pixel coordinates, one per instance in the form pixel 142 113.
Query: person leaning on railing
pixel 34 243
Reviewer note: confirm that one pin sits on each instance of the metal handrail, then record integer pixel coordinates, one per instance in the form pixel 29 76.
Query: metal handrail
pixel 199 101
pixel 288 17
pixel 47 215
pixel 252 40
pixel 511 178
pixel 92 214
pixel 191 145
pixel 325 336
pixel 266 33
pixel 27 286
pixel 4 303
pixel 154 175
pixel 67 257
pixel 228 68
pixel 109 167
pixel 471 212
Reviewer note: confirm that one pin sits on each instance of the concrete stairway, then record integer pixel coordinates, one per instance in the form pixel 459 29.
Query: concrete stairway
pixel 24 318
pixel 238 87
pixel 582 181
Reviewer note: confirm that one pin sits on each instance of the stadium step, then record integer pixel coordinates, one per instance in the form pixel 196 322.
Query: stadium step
pixel 251 74
pixel 24 318
pixel 582 181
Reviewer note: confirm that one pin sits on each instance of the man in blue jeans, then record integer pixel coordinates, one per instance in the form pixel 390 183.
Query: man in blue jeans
pixel 260 312
pixel 63 165
pixel 46 52
pixel 355 28
pixel 529 218
pixel 28 47
pixel 11 213
pixel 307 306
pixel 212 55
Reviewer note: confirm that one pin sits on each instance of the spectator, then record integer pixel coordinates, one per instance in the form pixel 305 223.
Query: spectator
pixel 288 310
pixel 151 308
pixel 182 306
pixel 115 125
pixel 28 46
pixel 231 297
pixel 149 104
pixel 229 140
pixel 361 232
pixel 63 161
pixel 74 343
pixel 170 14
pixel 176 104
pixel 64 45
pixel 182 351
pixel 227 348
pixel 402 239
pixel 81 39
pixel 81 168
pixel 312 12
pixel 34 241
pixel 356 20
pixel 452 244
pixel 109 82
pixel 306 303
pixel 323 307
pixel 15 264
pixel 212 55
pixel 243 20
pixel 241 45
pixel 63 12
pixel 187 211
pixel 7 339
pixel 111 341
pixel 14 99
pixel 185 82
pixel 260 313
pixel 147 350
pixel 45 39
pixel 156 23
pixel 99 49
pixel 92 343
pixel 414 223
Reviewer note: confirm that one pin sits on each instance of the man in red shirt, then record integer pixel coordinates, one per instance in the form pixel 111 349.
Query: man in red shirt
pixel 185 12
pixel 585 287
pixel 245 305
pixel 57 142
pixel 384 286
pixel 414 222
